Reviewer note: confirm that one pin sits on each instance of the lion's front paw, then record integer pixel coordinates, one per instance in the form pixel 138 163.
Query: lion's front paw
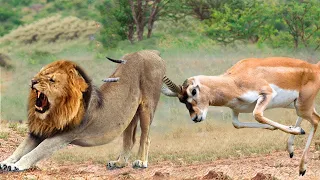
pixel 140 164
pixel 115 164
pixel 10 167
pixel 2 165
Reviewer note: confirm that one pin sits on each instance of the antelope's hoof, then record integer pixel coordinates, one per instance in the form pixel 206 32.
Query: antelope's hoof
pixel 301 173
pixel 291 155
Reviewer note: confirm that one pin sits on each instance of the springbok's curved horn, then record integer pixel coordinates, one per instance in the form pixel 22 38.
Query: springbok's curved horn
pixel 166 91
pixel 120 61
pixel 172 86
pixel 111 80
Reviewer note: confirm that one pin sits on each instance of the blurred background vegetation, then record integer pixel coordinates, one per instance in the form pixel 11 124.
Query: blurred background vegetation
pixel 194 36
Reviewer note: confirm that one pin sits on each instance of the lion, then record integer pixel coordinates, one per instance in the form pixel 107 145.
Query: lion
pixel 64 107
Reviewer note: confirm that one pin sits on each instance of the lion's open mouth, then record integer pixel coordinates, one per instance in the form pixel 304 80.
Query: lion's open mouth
pixel 42 103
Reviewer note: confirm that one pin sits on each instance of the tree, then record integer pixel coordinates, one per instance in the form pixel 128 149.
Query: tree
pixel 122 19
pixel 145 12
pixel 250 21
pixel 9 19
pixel 202 9
pixel 302 20
pixel 110 33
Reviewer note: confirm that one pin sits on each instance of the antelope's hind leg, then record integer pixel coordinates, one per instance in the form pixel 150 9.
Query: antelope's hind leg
pixel 290 143
pixel 261 105
pixel 129 139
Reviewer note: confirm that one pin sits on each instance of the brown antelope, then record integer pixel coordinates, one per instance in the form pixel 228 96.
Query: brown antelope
pixel 254 85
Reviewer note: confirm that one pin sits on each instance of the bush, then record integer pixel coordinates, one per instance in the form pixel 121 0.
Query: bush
pixel 53 29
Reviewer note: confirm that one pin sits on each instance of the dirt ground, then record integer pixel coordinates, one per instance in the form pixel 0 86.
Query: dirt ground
pixel 277 165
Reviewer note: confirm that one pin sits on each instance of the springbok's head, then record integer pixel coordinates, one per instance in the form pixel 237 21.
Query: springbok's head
pixel 192 94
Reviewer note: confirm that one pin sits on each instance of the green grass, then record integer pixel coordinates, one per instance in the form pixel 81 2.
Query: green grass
pixel 4 135
pixel 13 126
pixel 22 131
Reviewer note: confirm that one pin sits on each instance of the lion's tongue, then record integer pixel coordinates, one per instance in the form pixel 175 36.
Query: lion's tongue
pixel 44 102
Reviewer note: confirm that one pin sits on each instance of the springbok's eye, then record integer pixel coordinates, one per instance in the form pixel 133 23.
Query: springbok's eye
pixel 52 80
pixel 194 92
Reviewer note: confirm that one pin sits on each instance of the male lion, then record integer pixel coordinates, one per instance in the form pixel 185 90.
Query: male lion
pixel 65 108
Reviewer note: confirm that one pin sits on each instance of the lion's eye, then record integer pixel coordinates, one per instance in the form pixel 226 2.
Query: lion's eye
pixel 51 80
pixel 194 92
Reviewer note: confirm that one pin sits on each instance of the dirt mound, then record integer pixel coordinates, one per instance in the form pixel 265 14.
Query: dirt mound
pixel 160 175
pixel 216 175
pixel 261 176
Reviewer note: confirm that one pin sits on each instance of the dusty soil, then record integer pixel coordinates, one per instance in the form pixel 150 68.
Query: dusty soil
pixel 277 165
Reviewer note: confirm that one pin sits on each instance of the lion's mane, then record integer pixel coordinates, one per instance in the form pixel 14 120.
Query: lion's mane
pixel 70 111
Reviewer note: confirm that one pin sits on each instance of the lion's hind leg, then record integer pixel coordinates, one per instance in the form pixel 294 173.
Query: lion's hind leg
pixel 146 115
pixel 129 138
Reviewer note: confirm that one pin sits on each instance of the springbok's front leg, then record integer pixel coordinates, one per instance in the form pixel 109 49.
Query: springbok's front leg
pixel 237 124
pixel 25 147
pixel 314 120
pixel 290 144
pixel 261 105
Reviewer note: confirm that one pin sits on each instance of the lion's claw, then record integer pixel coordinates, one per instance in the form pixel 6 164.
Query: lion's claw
pixel 115 164
pixel 140 164
pixel 10 168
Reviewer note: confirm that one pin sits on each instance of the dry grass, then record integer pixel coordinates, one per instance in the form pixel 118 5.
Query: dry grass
pixel 174 136
pixel 52 29
pixel 191 143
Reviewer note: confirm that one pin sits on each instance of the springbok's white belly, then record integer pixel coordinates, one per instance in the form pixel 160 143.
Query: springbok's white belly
pixel 280 98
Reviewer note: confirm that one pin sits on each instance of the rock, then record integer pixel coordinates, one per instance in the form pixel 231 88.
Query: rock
pixel 30 177
pixel 216 175
pixel 126 175
pixel 159 174
pixel 78 178
pixel 316 155
pixel 317 145
pixel 261 176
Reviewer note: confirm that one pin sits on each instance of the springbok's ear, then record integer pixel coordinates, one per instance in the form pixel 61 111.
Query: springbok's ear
pixel 196 83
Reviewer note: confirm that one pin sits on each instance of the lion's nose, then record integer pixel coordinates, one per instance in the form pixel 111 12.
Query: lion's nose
pixel 33 82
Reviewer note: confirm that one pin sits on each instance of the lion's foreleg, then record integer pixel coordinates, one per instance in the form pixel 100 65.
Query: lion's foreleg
pixel 25 147
pixel 129 139
pixel 44 149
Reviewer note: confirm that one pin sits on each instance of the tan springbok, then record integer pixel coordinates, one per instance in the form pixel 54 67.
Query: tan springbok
pixel 254 85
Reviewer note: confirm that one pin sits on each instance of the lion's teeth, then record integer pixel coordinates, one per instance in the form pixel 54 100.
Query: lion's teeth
pixel 39 108
pixel 39 94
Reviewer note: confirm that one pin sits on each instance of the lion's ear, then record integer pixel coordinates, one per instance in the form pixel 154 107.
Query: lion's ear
pixel 82 83
pixel 79 80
